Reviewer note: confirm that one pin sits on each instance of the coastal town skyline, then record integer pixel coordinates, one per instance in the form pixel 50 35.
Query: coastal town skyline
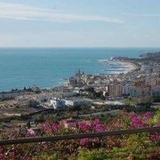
pixel 80 80
pixel 63 23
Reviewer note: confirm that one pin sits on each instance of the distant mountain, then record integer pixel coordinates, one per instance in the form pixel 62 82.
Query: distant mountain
pixel 153 55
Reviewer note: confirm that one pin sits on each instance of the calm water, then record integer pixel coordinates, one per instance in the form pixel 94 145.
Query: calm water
pixel 49 67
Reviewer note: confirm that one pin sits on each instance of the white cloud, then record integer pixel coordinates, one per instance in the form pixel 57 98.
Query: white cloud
pixel 30 13
pixel 143 15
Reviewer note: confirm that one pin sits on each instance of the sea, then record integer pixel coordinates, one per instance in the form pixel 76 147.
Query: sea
pixel 50 67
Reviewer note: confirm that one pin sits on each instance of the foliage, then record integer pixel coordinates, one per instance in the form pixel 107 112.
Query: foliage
pixel 45 156
pixel 137 146
pixel 92 155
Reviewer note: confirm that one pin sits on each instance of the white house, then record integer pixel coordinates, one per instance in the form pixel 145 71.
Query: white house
pixel 57 103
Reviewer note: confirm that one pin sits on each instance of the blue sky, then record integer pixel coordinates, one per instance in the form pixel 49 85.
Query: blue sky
pixel 79 23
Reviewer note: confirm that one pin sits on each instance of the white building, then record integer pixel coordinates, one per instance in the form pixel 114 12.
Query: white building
pixel 57 103
pixel 69 103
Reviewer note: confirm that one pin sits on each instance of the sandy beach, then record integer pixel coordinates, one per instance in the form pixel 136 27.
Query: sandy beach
pixel 125 66
pixel 130 66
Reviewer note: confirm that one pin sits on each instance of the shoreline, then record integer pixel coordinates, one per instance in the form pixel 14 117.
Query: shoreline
pixel 125 64
pixel 129 66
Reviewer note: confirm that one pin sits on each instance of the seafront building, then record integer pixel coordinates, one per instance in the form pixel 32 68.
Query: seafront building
pixel 115 89
pixel 141 83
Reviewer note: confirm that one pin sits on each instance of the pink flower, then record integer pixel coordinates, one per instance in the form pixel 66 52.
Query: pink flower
pixel 84 142
pixel 136 121
pixel 50 127
pixel 55 127
pixel 98 126
pixel 97 121
pixel 30 132
pixel 156 136
pixel 147 116
pixel 84 126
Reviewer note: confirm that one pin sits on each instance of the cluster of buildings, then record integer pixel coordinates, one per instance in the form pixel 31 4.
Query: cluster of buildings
pixel 146 82
pixel 60 103
pixel 141 83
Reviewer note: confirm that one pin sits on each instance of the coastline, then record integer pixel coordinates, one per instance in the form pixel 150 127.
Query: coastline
pixel 125 65
pixel 77 84
pixel 131 66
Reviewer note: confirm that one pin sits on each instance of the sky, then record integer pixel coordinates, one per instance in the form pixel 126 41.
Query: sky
pixel 79 23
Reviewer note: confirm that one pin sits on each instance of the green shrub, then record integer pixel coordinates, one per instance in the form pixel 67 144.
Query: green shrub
pixel 156 118
pixel 92 155
pixel 45 156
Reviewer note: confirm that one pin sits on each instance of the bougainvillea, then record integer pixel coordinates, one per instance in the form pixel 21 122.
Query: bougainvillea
pixel 50 127
pixel 98 126
pixel 30 133
pixel 84 126
pixel 136 121
pixel 130 144
pixel 84 142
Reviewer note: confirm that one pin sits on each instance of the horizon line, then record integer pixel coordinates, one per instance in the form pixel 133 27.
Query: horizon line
pixel 83 47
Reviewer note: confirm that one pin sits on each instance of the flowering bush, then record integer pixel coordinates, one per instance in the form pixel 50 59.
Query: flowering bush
pixel 30 133
pixel 147 116
pixel 93 126
pixel 136 121
pixel 85 126
pixel 155 137
pixel 99 126
pixel 140 121
pixel 50 127
pixel 132 145
pixel 84 142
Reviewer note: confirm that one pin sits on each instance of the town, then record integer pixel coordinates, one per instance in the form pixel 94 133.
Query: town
pixel 139 86
pixel 87 104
